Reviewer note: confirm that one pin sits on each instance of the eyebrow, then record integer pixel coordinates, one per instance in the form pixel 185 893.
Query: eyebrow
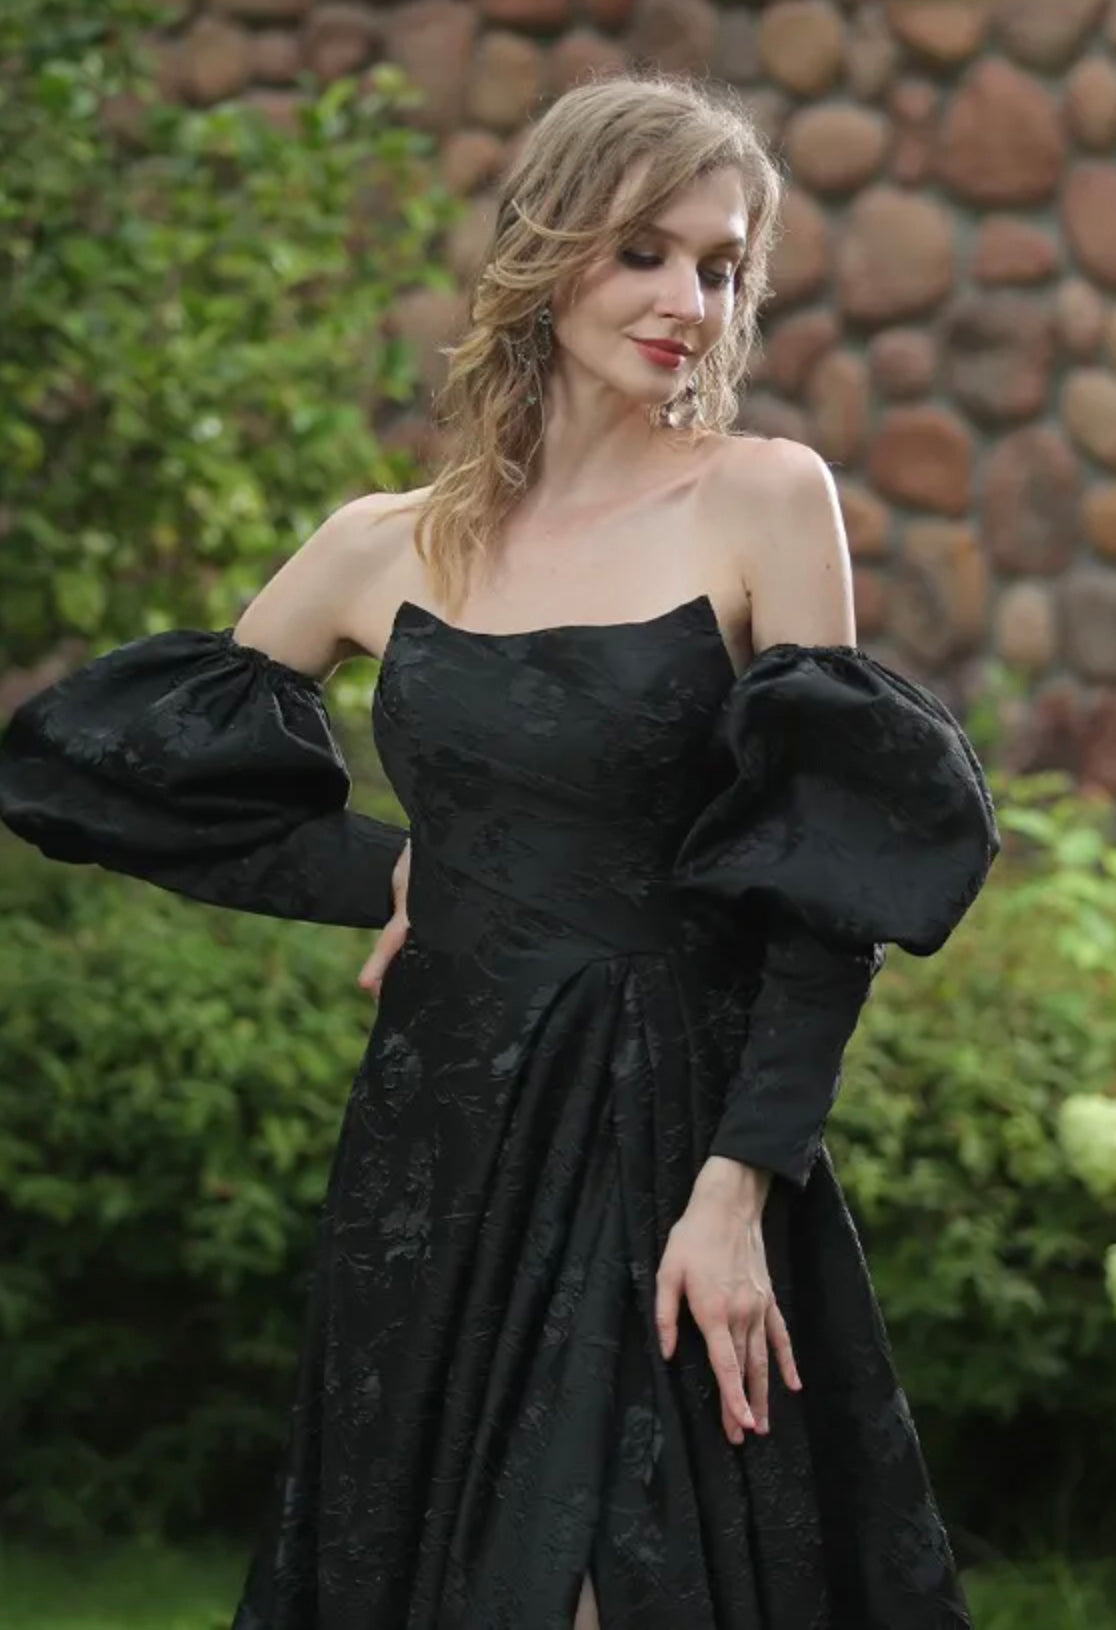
pixel 676 237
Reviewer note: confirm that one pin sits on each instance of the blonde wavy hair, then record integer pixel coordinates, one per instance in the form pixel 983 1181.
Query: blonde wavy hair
pixel 552 224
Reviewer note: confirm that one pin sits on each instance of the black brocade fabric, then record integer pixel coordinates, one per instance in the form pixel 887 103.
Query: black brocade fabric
pixel 204 766
pixel 647 900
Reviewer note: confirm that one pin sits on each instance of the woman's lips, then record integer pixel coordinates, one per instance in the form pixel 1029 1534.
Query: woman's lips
pixel 660 355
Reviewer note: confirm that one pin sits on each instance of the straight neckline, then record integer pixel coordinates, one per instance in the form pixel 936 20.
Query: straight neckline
pixel 699 603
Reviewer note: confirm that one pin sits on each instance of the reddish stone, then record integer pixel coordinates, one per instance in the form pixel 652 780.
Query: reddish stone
pixel 214 61
pixel 801 45
pixel 1089 622
pixel 1089 412
pixel 1029 503
pixel 125 115
pixel 945 31
pixel 940 587
pixel 339 38
pixel 263 11
pixel 1049 736
pixel 432 41
pixel 913 101
pixel 736 51
pixel 769 110
pixel 580 56
pixel 871 55
pixel 912 104
pixel 1013 251
pixel 1091 103
pixel 795 346
pixel 837 395
pixel 835 147
pixel 896 258
pixel 470 238
pixel 608 14
pixel 1089 218
pixel 427 320
pixel 413 434
pixel 1045 33
pixel 870 598
pixel 282 109
pixel 1001 141
pixel 1098 518
pixel 767 416
pixel 526 14
pixel 275 56
pixel 800 260
pixel 923 456
pixel 903 362
pixel 867 521
pixel 999 350
pixel 164 62
pixel 470 159
pixel 679 36
pixel 1025 628
pixel 1078 317
pixel 506 81
pixel 1098 748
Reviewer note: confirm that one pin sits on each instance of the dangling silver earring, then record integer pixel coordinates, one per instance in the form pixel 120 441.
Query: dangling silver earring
pixel 543 346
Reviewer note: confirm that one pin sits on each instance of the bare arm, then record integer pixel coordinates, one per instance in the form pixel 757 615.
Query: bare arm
pixel 795 562
pixel 796 559
pixel 305 618
pixel 303 615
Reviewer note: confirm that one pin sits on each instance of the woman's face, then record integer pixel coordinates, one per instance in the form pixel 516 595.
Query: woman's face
pixel 670 282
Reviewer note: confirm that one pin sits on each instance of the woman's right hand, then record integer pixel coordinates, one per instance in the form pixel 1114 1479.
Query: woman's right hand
pixel 394 931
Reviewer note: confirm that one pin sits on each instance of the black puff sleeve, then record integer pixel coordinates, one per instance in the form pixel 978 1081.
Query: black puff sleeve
pixel 203 766
pixel 855 813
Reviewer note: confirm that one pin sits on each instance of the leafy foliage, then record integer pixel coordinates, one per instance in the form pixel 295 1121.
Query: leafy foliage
pixel 986 1251
pixel 171 1086
pixel 193 325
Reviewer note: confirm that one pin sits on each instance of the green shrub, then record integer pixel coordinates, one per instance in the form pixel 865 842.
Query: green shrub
pixel 987 1252
pixel 193 341
pixel 171 1085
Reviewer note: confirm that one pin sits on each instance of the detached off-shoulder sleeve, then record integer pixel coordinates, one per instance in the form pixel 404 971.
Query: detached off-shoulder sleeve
pixel 855 814
pixel 203 766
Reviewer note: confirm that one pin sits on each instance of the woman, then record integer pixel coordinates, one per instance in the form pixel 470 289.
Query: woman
pixel 591 1337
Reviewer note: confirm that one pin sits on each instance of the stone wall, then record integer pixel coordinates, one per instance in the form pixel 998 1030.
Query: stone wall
pixel 944 329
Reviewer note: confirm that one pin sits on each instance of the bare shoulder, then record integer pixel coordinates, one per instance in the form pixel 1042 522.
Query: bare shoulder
pixel 788 481
pixel 310 614
pixel 783 519
pixel 368 532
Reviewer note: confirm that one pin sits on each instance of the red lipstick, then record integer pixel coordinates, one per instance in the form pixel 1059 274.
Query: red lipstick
pixel 662 355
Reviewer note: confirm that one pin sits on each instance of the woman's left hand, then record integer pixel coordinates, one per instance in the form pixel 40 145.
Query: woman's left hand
pixel 715 1256
pixel 394 931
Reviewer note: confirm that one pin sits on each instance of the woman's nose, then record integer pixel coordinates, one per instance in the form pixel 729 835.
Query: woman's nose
pixel 681 299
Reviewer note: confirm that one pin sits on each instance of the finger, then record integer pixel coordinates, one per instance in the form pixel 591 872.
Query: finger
pixel 728 1421
pixel 779 1337
pixel 391 938
pixel 757 1373
pixel 667 1290
pixel 731 1426
pixel 726 1368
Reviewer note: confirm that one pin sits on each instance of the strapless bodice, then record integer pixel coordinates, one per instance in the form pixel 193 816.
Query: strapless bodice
pixel 548 821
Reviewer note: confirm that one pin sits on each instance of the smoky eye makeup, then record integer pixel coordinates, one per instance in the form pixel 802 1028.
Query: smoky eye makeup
pixel 641 260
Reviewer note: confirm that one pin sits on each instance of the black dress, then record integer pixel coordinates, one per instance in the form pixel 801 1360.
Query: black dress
pixel 647 900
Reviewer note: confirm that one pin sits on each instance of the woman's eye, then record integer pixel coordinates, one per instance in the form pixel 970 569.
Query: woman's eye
pixel 632 257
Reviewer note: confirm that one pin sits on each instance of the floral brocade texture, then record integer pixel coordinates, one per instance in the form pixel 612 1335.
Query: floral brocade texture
pixel 648 898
